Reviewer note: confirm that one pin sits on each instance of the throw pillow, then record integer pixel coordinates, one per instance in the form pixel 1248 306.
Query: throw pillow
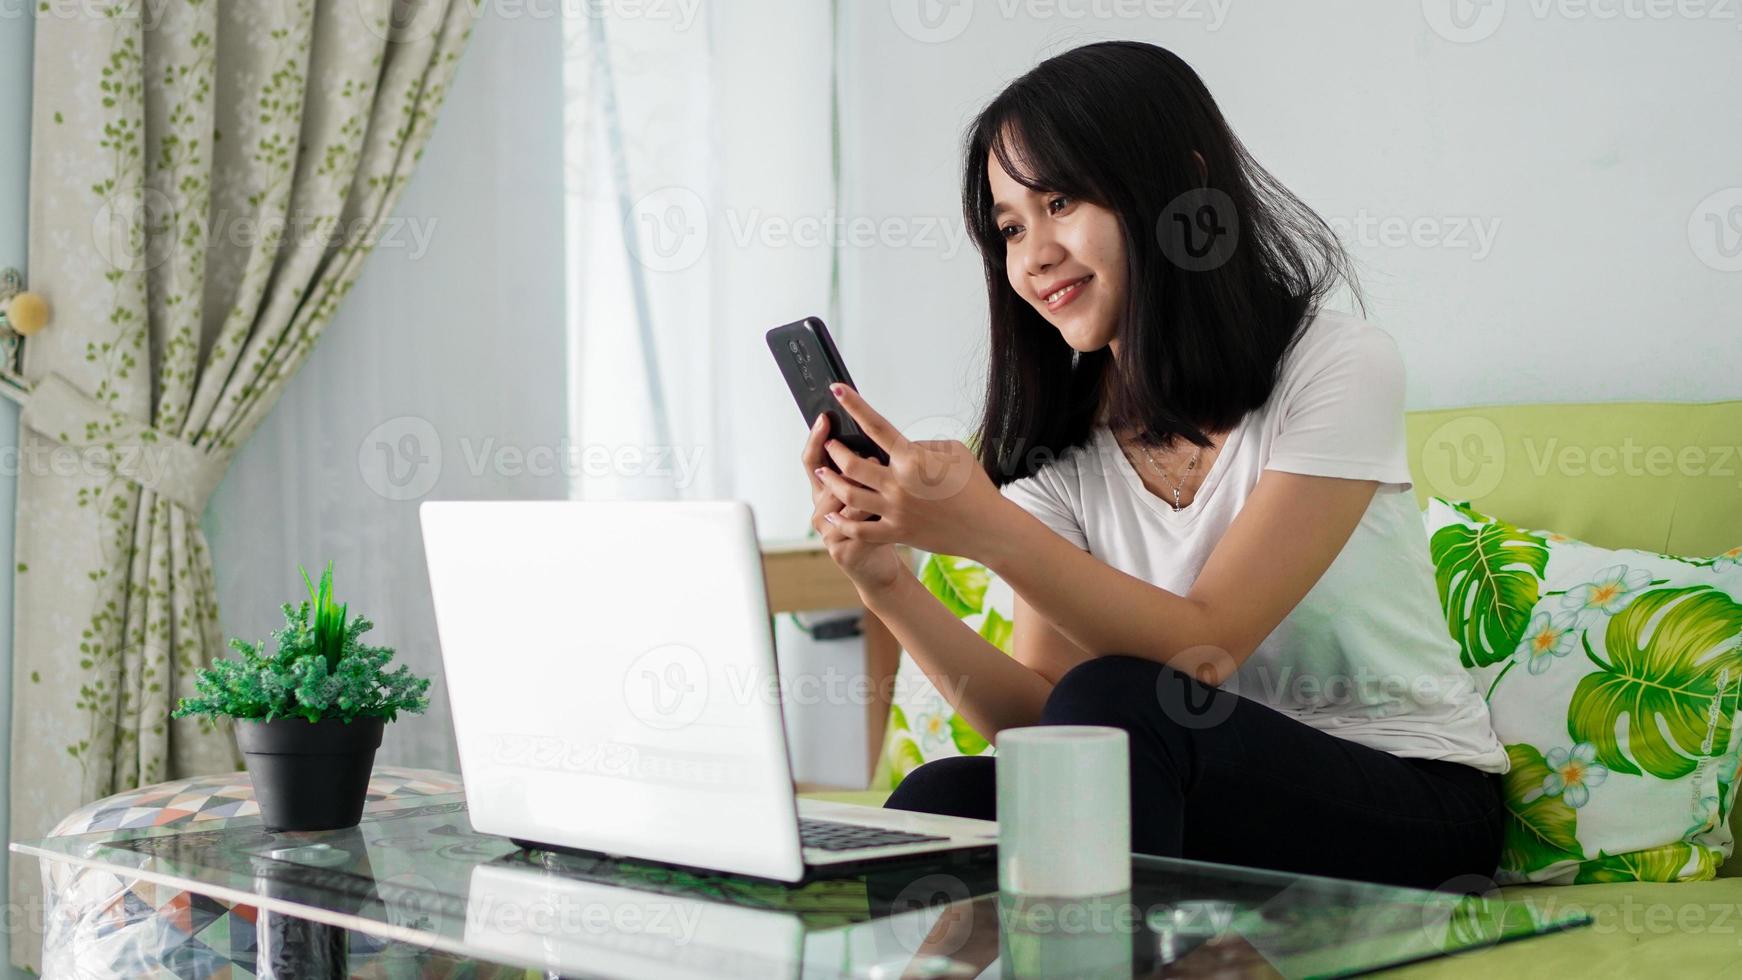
pixel 1612 680
pixel 922 725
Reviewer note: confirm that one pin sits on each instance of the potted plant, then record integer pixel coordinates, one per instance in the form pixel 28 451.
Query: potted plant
pixel 309 717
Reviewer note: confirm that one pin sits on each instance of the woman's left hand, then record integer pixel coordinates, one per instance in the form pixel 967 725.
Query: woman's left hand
pixel 933 495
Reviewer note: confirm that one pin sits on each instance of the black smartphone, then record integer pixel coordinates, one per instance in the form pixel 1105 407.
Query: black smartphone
pixel 810 363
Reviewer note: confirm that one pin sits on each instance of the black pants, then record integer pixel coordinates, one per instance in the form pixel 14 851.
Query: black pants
pixel 1217 777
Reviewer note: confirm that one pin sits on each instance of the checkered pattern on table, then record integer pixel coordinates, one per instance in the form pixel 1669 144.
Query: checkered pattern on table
pixel 227 794
pixel 101 924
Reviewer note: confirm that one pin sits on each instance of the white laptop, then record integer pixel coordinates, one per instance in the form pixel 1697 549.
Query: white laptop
pixel 611 671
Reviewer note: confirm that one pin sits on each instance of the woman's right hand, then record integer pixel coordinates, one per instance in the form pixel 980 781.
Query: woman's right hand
pixel 871 567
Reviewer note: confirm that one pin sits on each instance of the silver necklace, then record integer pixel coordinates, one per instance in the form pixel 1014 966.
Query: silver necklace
pixel 1163 473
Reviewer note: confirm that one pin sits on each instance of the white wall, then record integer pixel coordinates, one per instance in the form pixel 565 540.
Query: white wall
pixel 1541 181
pixel 1584 146
pixel 772 68
pixel 464 343
pixel 456 346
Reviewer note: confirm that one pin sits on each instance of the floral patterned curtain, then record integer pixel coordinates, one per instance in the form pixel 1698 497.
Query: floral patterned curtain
pixel 206 180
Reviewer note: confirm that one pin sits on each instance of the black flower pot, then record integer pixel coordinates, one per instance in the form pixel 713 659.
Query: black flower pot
pixel 309 775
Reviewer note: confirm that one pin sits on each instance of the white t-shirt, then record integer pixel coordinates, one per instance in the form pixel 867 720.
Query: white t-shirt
pixel 1366 654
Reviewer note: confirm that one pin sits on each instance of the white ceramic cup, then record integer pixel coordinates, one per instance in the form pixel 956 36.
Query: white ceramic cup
pixel 1064 811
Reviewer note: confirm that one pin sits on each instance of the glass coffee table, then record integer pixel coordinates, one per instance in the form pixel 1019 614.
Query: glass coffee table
pixel 414 872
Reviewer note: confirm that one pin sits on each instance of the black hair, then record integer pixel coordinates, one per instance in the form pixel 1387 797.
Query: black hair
pixel 1201 337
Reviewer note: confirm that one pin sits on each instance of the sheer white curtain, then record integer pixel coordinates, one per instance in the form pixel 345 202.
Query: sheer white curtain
pixel 521 345
pixel 701 212
pixel 568 308
pixel 441 376
pixel 700 194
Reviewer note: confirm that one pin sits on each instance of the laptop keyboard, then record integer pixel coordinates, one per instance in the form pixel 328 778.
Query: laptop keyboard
pixel 829 835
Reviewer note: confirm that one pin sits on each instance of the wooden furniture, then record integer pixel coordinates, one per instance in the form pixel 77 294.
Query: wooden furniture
pixel 801 577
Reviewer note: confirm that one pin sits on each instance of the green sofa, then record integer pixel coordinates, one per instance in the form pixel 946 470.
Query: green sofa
pixel 1655 476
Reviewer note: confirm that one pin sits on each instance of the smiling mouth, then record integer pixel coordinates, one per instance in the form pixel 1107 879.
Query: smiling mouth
pixel 1064 295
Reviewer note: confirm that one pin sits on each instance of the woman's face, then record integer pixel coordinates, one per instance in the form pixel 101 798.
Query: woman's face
pixel 1065 257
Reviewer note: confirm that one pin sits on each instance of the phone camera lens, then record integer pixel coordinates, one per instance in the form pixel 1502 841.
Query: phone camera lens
pixel 792 345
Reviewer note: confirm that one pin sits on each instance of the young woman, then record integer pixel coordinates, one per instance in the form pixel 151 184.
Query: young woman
pixel 1194 479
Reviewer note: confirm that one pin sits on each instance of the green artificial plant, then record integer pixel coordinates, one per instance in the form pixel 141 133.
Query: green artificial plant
pixel 322 670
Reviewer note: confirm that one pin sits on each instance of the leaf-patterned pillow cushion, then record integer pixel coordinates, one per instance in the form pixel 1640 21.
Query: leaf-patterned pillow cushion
pixel 1612 679
pixel 922 725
